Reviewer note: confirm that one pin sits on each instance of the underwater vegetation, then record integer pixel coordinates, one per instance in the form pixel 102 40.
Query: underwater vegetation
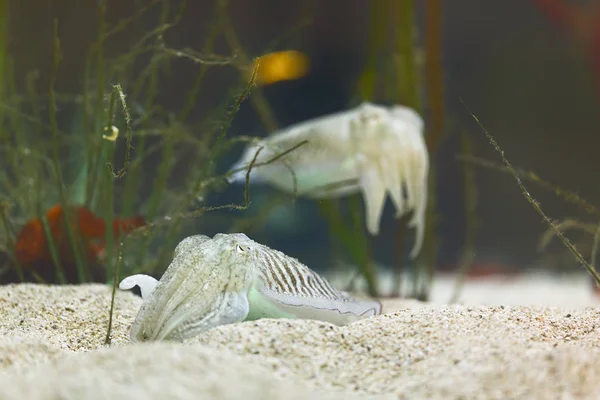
pixel 105 181
pixel 556 228
pixel 113 151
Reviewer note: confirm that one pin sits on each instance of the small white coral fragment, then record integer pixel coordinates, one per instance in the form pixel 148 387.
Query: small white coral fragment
pixel 371 149
pixel 231 278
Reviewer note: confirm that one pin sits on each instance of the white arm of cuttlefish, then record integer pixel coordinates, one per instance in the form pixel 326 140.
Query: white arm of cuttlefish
pixel 407 125
pixel 146 283
pixel 391 155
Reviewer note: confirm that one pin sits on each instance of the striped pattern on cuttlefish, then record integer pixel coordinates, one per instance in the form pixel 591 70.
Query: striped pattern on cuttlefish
pixel 228 279
pixel 294 286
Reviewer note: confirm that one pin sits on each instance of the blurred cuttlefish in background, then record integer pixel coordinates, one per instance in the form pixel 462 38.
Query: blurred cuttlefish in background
pixel 231 278
pixel 371 148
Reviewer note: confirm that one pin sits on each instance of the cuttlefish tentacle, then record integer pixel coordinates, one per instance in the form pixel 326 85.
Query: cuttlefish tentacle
pixel 373 191
pixel 393 168
pixel 230 278
pixel 393 183
pixel 418 182
pixel 146 283
pixel 368 164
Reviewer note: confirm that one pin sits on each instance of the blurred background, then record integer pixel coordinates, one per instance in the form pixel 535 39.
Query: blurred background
pixel 528 69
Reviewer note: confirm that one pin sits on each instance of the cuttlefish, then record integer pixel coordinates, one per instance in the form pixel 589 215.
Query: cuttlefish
pixel 371 149
pixel 231 278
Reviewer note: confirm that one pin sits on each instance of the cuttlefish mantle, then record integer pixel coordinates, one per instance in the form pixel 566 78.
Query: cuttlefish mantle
pixel 231 278
pixel 371 149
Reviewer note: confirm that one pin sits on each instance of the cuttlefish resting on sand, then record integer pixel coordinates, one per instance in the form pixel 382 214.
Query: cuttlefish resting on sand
pixel 370 149
pixel 231 278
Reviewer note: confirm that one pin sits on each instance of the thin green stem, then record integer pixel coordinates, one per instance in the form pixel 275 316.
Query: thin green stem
pixel 407 75
pixel 258 100
pixel 98 121
pixel 470 203
pixel 531 176
pixel 108 178
pixel 4 134
pixel 589 268
pixel 120 173
pixel 9 239
pixel 68 218
pixel 107 339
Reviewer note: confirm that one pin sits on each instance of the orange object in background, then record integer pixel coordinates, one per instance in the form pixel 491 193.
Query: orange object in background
pixel 33 251
pixel 281 66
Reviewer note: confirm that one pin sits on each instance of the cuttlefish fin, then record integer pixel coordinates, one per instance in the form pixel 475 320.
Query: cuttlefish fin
pixel 286 288
pixel 339 311
pixel 261 306
pixel 373 190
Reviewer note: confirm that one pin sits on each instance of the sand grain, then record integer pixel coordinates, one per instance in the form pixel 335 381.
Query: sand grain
pixel 51 346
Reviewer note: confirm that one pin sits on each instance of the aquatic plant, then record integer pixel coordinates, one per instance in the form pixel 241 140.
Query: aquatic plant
pixel 231 278
pixel 466 265
pixel 588 266
pixel 563 225
pixel 117 150
pixel 47 164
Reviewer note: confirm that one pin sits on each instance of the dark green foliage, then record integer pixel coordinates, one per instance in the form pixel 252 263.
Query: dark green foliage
pixel 85 167
pixel 48 161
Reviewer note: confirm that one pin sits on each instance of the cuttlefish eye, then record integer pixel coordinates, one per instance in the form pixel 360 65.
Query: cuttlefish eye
pixel 240 249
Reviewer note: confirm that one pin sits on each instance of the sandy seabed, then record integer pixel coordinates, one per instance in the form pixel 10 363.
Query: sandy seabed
pixel 52 347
